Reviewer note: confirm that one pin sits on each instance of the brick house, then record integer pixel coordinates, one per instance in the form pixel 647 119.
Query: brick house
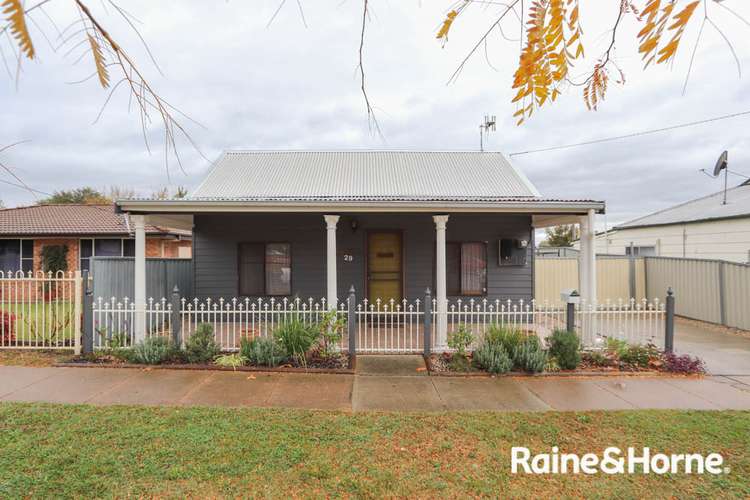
pixel 86 230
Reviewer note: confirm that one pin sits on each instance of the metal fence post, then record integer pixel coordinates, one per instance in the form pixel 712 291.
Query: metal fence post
pixel 631 277
pixel 669 322
pixel 427 321
pixel 88 315
pixel 351 321
pixel 175 317
pixel 722 293
pixel 570 311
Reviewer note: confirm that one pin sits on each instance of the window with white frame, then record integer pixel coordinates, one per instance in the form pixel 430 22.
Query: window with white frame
pixel 104 247
pixel 16 255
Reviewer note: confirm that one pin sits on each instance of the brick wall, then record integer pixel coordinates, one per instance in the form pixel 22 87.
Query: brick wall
pixel 73 249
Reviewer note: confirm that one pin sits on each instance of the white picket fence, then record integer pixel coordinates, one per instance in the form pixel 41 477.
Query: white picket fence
pixel 634 321
pixel 40 310
pixel 114 321
pixel 380 326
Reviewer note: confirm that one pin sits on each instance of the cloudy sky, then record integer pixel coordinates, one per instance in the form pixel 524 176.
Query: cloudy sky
pixel 291 86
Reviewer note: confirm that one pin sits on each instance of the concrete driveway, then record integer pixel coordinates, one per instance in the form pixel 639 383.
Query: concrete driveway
pixel 725 353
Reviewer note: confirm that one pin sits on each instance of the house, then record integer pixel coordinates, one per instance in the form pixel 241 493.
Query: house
pixel 705 228
pixel 86 230
pixel 392 224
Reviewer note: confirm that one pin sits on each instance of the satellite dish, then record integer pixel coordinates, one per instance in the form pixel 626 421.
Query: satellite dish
pixel 721 163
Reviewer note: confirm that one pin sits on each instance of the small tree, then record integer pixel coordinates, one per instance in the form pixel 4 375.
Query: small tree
pixel 54 258
pixel 87 195
pixel 560 236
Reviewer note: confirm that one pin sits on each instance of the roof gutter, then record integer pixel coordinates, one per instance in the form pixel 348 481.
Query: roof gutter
pixel 203 206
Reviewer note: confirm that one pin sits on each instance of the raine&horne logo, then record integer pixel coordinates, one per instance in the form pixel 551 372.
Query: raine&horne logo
pixel 614 461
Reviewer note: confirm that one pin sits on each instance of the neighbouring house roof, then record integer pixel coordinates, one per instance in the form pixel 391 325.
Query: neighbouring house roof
pixel 706 208
pixel 320 180
pixel 71 219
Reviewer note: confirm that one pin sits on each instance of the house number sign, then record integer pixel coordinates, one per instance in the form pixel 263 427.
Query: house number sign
pixel 348 257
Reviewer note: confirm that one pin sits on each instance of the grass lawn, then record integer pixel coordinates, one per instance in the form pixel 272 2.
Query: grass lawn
pixel 85 451
pixel 48 322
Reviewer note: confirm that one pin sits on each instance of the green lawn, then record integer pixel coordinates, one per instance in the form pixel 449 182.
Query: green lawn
pixel 47 323
pixel 83 451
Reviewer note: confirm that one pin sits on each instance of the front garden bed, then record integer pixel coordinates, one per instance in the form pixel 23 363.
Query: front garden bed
pixel 294 346
pixel 507 351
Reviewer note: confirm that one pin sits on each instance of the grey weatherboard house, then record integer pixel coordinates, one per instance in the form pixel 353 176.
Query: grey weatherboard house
pixel 392 224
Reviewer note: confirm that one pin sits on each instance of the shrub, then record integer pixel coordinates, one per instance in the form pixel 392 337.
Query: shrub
pixel 683 364
pixel 7 327
pixel 493 358
pixel 596 358
pixel 566 348
pixel 616 346
pixel 529 356
pixel 639 355
pixel 296 338
pixel 460 340
pixel 330 329
pixel 233 360
pixel 504 336
pixel 201 347
pixel 151 351
pixel 262 351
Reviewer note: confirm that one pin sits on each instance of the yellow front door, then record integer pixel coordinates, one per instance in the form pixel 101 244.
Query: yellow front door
pixel 384 266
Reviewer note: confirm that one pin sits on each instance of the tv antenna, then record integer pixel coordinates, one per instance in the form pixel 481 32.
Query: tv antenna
pixel 721 164
pixel 485 128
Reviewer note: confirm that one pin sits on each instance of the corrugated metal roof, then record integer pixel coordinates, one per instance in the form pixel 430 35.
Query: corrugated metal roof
pixel 363 176
pixel 69 219
pixel 706 208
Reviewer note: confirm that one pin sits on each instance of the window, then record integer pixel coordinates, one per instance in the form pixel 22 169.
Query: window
pixel 16 255
pixel 105 247
pixel 265 269
pixel 641 251
pixel 466 268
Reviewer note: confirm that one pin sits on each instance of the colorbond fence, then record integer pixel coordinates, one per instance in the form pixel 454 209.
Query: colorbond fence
pixel 707 290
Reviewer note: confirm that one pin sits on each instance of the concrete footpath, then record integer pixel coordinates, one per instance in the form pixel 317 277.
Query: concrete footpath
pixel 375 387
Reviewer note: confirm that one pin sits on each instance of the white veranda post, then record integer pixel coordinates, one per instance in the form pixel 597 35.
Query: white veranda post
pixel 587 259
pixel 331 280
pixel 441 295
pixel 139 225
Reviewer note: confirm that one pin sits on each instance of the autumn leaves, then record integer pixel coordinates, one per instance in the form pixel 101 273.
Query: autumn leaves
pixel 552 43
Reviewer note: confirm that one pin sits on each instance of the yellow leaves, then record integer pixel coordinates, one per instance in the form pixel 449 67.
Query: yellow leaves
pixel 443 33
pixel 678 26
pixel 101 67
pixel 552 29
pixel 17 21
pixel 656 20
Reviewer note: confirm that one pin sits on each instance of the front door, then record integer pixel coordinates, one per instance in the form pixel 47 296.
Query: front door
pixel 384 269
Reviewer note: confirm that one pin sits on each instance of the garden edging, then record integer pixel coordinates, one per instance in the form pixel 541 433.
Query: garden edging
pixel 277 369
pixel 588 373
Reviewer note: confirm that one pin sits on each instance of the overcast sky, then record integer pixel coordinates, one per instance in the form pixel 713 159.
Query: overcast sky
pixel 288 86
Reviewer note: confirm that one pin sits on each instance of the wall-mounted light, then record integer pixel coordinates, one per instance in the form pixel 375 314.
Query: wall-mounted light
pixel 354 224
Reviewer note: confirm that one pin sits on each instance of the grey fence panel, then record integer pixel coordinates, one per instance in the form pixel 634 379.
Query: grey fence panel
pixel 115 277
pixel 737 295
pixel 696 285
